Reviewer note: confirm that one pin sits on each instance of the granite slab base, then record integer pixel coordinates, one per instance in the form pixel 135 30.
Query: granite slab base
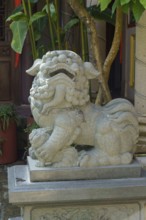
pixel 16 218
pixel 92 199
pixel 132 170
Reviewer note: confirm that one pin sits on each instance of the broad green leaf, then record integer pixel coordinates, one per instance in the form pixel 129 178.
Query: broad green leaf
pixel 115 5
pixel 17 9
pixel 137 9
pixel 37 35
pixel 104 4
pixel 143 2
pixel 81 1
pixel 33 1
pixel 71 23
pixel 39 26
pixel 37 16
pixel 45 8
pixel 125 8
pixel 19 30
pixel 105 15
pixel 17 16
pixel 124 2
pixel 53 12
pixel 42 49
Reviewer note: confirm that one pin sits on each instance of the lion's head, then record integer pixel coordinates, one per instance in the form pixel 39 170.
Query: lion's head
pixel 61 76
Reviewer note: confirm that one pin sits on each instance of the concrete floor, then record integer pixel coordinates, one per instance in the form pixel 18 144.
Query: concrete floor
pixel 7 210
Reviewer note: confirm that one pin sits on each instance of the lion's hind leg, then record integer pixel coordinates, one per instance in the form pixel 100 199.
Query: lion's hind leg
pixel 98 158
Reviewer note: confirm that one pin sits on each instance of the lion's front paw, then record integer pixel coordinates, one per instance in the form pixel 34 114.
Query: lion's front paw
pixel 45 154
pixel 38 137
pixel 32 153
pixel 40 164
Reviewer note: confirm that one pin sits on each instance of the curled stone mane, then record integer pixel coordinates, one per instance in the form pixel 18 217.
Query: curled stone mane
pixel 70 64
pixel 61 106
pixel 67 68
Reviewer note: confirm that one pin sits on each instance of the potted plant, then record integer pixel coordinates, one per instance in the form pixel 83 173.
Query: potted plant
pixel 8 121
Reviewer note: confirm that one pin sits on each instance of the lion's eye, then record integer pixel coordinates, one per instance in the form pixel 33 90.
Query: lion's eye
pixel 69 61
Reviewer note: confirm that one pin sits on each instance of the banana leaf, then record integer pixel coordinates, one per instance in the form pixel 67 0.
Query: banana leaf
pixel 19 30
pixel 105 15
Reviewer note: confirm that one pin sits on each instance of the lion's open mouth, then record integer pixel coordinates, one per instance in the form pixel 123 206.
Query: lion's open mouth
pixel 66 72
pixel 61 68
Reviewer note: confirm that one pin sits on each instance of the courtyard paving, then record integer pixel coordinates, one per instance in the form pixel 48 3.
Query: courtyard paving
pixel 7 210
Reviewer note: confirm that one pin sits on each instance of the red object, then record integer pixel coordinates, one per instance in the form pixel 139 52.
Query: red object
pixel 30 120
pixel 17 3
pixel 17 56
pixel 8 147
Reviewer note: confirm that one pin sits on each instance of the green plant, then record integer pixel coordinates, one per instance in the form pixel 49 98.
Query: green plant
pixel 30 127
pixel 28 130
pixel 118 8
pixel 137 7
pixel 7 114
pixel 25 22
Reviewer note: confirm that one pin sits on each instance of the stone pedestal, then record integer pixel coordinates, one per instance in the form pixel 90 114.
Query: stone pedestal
pixel 16 218
pixel 140 66
pixel 41 174
pixel 140 78
pixel 93 199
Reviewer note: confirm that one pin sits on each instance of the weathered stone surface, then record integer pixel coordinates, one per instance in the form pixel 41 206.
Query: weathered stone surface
pixel 60 104
pixel 16 218
pixel 78 173
pixel 94 212
pixel 6 209
pixel 140 67
pixel 109 199
pixel 21 190
pixel 142 161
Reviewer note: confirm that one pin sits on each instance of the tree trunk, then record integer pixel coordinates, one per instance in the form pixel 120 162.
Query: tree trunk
pixel 115 44
pixel 88 20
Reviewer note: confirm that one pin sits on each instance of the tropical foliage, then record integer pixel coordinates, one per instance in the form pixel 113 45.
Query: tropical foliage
pixel 137 7
pixel 117 7
pixel 24 21
pixel 7 114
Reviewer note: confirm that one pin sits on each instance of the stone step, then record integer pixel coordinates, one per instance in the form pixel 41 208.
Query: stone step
pixel 142 120
pixel 142 140
pixel 141 148
pixel 120 199
pixel 45 174
pixel 16 218
pixel 142 129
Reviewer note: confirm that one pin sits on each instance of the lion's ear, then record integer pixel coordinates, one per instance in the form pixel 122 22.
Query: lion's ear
pixel 90 71
pixel 35 67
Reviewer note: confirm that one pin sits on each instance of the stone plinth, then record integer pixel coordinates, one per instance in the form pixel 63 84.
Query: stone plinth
pixel 140 66
pixel 109 199
pixel 132 170
pixel 16 218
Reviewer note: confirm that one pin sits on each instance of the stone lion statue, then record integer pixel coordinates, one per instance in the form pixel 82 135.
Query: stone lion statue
pixel 73 131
